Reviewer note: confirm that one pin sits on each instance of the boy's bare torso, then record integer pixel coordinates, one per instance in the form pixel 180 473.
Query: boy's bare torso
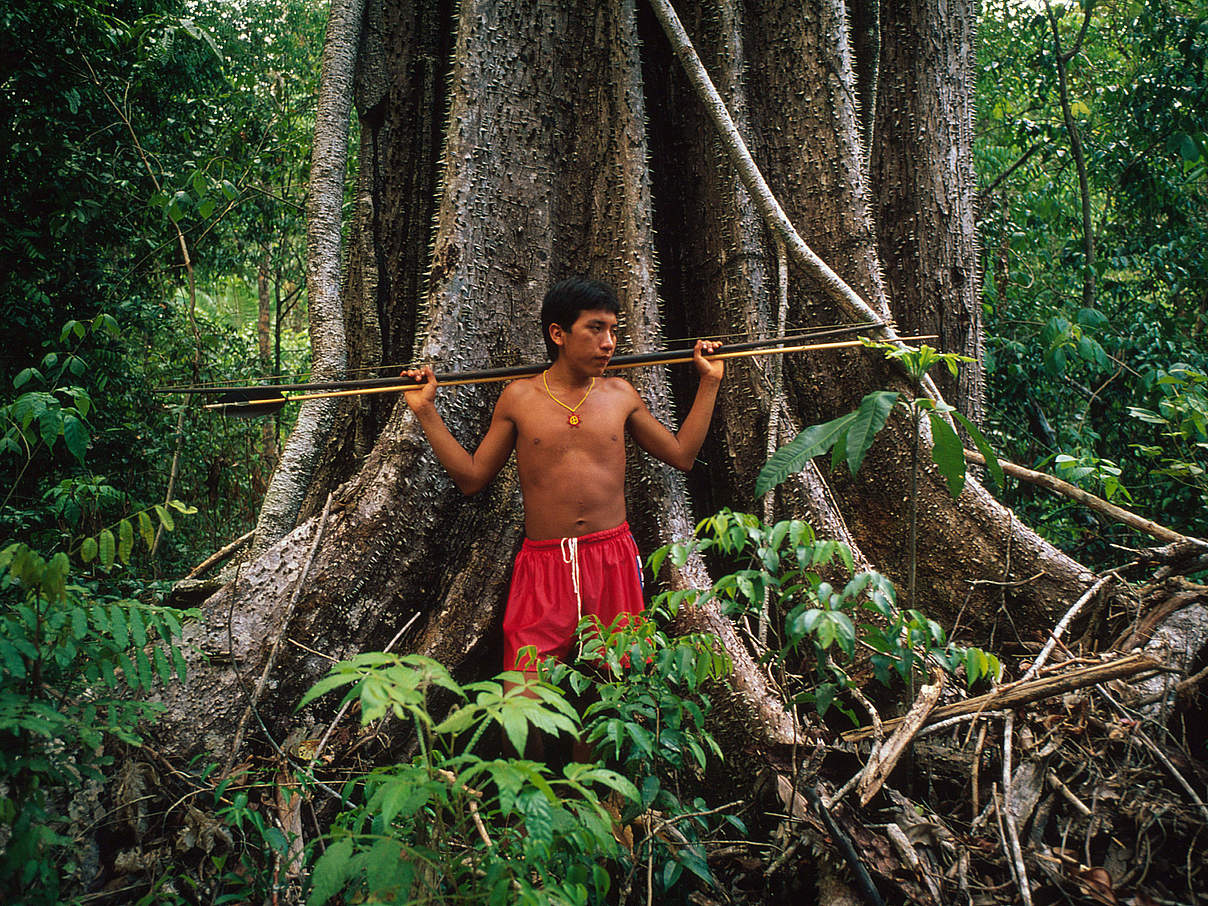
pixel 572 477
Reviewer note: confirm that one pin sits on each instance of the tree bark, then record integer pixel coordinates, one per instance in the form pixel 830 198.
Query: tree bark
pixel 328 165
pixel 921 171
pixel 556 163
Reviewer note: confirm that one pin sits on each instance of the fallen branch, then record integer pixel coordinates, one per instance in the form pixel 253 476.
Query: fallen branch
pixel 1064 623
pixel 1008 817
pixel 1098 504
pixel 1015 695
pixel 219 554
pixel 1153 747
pixel 886 756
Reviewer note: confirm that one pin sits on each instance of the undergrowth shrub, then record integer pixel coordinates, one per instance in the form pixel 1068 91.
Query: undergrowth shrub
pixel 73 662
pixel 816 624
pixel 453 823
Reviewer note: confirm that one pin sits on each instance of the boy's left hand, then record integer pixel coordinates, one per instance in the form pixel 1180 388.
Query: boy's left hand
pixel 708 368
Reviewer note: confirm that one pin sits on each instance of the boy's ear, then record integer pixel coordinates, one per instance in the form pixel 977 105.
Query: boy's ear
pixel 557 334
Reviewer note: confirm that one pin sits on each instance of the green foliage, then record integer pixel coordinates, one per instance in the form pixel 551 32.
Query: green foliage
pixel 1061 376
pixel 1181 421
pixel 51 404
pixel 850 436
pixel 121 124
pixel 450 823
pixel 648 716
pixel 70 662
pixel 818 624
pixel 453 824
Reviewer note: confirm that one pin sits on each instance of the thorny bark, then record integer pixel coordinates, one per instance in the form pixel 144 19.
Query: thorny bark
pixel 545 171
pixel 495 249
pixel 921 171
pixel 329 158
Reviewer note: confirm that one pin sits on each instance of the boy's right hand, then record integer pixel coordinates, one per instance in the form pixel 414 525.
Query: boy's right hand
pixel 424 396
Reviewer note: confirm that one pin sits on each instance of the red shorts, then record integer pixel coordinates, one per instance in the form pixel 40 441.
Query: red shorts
pixel 543 608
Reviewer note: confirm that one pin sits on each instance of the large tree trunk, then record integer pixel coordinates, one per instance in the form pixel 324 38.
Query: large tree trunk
pixel 556 162
pixel 921 169
pixel 329 161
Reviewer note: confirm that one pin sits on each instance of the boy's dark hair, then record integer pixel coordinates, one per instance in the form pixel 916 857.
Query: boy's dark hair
pixel 567 299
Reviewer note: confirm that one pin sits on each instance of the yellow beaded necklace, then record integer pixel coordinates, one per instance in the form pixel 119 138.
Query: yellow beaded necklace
pixel 573 419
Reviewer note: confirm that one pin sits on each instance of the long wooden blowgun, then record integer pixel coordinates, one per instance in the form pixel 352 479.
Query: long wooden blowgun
pixel 252 401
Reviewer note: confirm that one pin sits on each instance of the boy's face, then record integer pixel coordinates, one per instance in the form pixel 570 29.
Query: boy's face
pixel 590 342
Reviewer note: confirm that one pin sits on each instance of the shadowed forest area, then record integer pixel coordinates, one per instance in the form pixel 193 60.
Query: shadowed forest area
pixel 928 620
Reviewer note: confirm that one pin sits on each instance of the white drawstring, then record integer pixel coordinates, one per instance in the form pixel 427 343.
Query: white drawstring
pixel 570 556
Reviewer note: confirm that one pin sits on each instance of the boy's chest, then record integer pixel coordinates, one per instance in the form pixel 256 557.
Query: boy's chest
pixel 595 429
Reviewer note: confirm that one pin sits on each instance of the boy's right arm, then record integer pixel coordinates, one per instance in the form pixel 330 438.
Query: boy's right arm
pixel 470 471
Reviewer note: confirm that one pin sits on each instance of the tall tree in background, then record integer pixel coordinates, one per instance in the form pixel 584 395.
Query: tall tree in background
pixel 494 161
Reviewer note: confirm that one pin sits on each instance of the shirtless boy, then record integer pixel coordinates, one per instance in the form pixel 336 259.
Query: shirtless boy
pixel 567 427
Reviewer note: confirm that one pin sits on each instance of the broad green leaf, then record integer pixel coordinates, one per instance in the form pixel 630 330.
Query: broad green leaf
pixel 984 448
pixel 146 530
pixel 108 548
pixel 870 418
pixel 386 871
pixel 1186 146
pixel 125 540
pixel 792 457
pixel 325 685
pixel 825 629
pixel 106 323
pixel 79 623
pixel 656 560
pixel 947 453
pixel 75 437
pixel 50 426
pixel 24 376
pixel 845 632
pixel 165 517
pixel 54 577
pixel 330 872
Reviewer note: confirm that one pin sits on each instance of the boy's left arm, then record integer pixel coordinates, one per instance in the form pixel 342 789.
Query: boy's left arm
pixel 680 449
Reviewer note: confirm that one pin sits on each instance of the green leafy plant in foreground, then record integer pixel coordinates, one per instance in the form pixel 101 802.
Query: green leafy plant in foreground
pixel 453 824
pixel 73 664
pixel 850 436
pixel 74 658
pixel 818 625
